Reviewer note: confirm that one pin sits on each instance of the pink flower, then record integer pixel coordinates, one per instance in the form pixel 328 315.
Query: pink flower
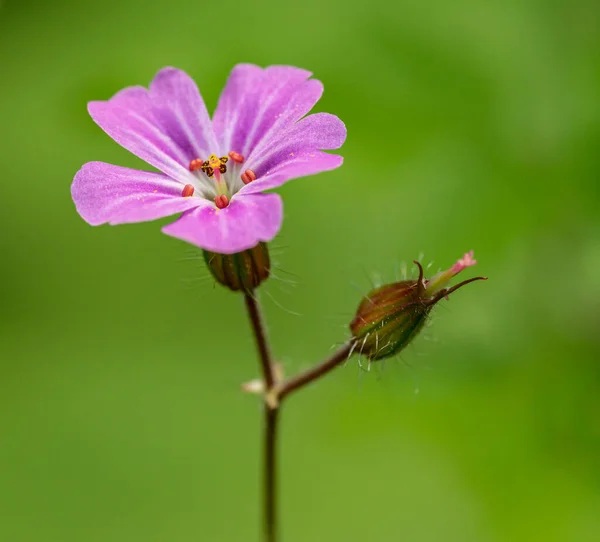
pixel 466 261
pixel 440 280
pixel 214 171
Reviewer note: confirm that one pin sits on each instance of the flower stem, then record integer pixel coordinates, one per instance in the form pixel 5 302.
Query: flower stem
pixel 270 424
pixel 316 372
pixel 260 336
pixel 270 474
pixel 271 408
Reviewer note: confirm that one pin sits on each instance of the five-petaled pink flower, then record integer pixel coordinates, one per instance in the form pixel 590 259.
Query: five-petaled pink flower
pixel 214 172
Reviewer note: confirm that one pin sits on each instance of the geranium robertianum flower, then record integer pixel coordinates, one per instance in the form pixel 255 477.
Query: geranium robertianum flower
pixel 214 171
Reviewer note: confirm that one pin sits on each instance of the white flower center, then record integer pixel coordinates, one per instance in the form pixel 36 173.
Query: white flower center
pixel 218 178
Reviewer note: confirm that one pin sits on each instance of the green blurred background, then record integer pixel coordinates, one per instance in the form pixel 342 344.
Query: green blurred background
pixel 470 126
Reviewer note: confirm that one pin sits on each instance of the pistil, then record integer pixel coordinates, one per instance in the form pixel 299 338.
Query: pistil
pixel 215 166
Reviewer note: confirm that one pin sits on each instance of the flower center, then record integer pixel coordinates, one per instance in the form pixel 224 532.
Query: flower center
pixel 216 181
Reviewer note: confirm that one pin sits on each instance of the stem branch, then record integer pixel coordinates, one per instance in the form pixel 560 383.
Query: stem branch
pixel 319 370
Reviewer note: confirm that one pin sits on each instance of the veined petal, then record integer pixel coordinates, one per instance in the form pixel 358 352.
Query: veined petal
pixel 167 126
pixel 315 132
pixel 258 103
pixel 300 165
pixel 180 109
pixel 244 223
pixel 117 195
pixel 296 152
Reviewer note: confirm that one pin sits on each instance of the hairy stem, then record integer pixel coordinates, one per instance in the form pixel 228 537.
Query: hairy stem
pixel 316 372
pixel 270 475
pixel 270 424
pixel 260 336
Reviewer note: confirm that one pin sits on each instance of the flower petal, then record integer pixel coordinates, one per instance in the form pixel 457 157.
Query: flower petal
pixel 167 126
pixel 257 103
pixel 300 165
pixel 244 223
pixel 117 195
pixel 296 152
pixel 182 113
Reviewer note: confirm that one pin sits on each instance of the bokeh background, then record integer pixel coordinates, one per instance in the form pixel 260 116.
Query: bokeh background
pixel 471 125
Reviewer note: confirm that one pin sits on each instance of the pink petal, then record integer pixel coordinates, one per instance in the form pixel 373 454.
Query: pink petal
pixel 300 165
pixel 466 261
pixel 244 223
pixel 167 126
pixel 182 113
pixel 258 103
pixel 117 195
pixel 296 152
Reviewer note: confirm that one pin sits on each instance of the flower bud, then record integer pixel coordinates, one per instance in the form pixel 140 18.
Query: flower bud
pixel 391 316
pixel 242 270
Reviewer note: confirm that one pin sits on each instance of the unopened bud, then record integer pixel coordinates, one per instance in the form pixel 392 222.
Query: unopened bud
pixel 242 270
pixel 391 316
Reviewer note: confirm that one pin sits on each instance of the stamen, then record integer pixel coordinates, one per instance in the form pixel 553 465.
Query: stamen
pixel 188 190
pixel 196 164
pixel 222 201
pixel 236 157
pixel 248 176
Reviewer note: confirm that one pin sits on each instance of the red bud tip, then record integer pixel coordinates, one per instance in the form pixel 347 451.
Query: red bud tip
pixel 221 201
pixel 236 157
pixel 248 176
pixel 196 164
pixel 188 190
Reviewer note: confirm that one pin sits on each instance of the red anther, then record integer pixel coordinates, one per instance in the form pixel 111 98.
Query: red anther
pixel 221 201
pixel 236 157
pixel 196 164
pixel 188 190
pixel 248 176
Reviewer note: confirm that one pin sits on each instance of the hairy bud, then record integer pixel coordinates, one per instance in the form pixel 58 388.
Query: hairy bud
pixel 391 316
pixel 241 271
